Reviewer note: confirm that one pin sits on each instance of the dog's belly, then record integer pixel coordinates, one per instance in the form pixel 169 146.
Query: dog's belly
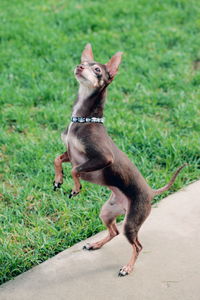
pixel 94 177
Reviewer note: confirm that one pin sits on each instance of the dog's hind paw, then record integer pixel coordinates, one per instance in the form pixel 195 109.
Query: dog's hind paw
pixel 122 273
pixel 125 270
pixel 94 246
pixel 87 247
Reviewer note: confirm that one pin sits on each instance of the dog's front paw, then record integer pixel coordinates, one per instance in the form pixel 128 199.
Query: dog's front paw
pixel 74 192
pixel 56 185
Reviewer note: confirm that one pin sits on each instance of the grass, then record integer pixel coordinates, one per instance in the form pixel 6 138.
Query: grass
pixel 152 111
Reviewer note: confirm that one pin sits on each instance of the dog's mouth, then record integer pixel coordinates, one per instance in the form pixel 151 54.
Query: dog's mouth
pixel 79 75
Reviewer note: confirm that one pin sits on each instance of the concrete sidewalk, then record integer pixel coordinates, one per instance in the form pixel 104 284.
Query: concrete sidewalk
pixel 168 268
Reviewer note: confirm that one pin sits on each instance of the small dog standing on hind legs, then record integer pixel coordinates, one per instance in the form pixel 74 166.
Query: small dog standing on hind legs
pixel 95 158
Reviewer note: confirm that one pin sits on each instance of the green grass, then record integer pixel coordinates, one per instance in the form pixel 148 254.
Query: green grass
pixel 152 111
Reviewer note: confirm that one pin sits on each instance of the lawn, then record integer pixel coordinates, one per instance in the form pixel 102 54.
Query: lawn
pixel 152 110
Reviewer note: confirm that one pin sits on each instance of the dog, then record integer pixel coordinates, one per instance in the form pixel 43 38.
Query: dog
pixel 95 157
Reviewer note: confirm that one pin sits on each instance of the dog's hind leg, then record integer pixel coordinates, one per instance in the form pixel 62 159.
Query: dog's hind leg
pixel 110 210
pixel 136 215
pixel 58 169
pixel 139 245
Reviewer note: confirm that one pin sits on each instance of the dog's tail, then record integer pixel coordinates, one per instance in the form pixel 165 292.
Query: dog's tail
pixel 167 186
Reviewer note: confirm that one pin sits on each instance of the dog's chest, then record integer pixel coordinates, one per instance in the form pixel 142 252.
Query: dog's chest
pixel 74 144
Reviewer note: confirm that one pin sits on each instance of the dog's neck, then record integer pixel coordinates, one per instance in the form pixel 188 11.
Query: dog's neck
pixel 90 102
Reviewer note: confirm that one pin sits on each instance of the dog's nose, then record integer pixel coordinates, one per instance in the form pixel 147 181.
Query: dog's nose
pixel 80 67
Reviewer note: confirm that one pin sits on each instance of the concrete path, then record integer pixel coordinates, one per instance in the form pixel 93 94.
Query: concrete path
pixel 167 269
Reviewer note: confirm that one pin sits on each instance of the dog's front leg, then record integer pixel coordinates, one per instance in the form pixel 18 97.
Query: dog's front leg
pixel 94 164
pixel 58 169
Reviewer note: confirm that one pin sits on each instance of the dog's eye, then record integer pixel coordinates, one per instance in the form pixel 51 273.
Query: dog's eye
pixel 97 70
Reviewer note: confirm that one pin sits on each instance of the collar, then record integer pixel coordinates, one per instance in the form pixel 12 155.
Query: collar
pixel 87 120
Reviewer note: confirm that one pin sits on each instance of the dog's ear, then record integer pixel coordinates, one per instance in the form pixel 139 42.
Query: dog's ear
pixel 87 54
pixel 113 64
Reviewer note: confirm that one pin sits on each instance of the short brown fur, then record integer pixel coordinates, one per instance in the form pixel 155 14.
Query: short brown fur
pixel 95 158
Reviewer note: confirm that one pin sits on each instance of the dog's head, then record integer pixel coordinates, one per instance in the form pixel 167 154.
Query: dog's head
pixel 94 75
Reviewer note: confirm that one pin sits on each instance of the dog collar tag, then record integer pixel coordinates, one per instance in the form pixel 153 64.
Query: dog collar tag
pixel 87 120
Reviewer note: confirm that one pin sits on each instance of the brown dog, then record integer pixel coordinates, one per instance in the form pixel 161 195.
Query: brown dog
pixel 97 159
